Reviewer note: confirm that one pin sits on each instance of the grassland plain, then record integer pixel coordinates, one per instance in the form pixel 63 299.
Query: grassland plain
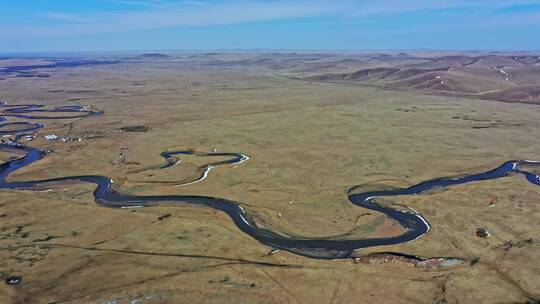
pixel 309 143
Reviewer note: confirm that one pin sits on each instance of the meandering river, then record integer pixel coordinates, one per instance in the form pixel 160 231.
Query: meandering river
pixel 414 224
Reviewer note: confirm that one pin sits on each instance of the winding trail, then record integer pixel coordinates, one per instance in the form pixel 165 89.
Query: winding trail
pixel 413 223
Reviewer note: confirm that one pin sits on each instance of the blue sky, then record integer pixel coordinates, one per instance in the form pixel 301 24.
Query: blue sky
pixel 105 25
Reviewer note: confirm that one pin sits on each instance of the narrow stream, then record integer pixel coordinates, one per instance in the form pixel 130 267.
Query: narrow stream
pixel 414 224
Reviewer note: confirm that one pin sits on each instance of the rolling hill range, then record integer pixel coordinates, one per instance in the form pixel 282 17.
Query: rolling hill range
pixel 500 77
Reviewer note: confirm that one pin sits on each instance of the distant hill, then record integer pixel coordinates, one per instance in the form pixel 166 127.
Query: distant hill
pixel 499 77
pixel 153 56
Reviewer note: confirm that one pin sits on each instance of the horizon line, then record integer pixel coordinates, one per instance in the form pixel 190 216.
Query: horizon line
pixel 256 50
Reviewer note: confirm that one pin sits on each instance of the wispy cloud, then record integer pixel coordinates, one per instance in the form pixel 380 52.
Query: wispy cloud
pixel 162 14
pixel 138 15
pixel 396 7
pixel 143 3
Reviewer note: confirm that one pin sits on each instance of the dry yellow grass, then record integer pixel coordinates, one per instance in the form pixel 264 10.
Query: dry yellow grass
pixel 309 143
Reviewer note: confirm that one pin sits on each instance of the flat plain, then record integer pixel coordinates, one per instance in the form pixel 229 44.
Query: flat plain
pixel 312 131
